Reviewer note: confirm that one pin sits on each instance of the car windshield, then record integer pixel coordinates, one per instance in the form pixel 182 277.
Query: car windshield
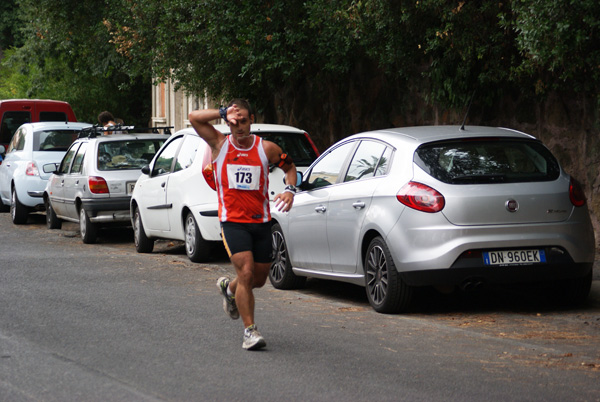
pixel 53 140
pixel 127 154
pixel 295 145
pixel 484 161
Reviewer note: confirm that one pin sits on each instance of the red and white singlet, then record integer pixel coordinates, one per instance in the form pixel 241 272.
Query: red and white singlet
pixel 242 178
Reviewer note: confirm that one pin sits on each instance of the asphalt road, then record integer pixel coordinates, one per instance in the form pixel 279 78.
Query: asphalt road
pixel 103 323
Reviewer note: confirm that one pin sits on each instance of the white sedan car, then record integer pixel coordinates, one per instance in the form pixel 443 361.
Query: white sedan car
pixel 22 178
pixel 172 200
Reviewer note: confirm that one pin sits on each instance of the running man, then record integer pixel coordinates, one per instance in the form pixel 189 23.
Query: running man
pixel 241 169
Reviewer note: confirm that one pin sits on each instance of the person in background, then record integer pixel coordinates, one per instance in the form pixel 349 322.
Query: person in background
pixel 106 119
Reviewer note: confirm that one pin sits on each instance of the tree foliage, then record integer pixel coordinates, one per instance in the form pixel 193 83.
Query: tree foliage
pixel 559 41
pixel 67 55
pixel 347 63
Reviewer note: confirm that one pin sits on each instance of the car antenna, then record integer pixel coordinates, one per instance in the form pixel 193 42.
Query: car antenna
pixel 462 127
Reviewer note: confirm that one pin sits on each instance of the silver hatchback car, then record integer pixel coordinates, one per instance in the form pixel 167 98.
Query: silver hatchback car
pixel 92 185
pixel 442 206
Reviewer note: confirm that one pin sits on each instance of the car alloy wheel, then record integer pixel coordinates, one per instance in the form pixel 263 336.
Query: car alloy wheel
pixel 386 291
pixel 280 273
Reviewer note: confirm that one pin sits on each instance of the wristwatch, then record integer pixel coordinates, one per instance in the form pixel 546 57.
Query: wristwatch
pixel 291 189
pixel 223 114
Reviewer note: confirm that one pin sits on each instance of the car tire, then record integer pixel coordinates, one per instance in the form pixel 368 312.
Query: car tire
pixel 52 221
pixel 386 291
pixel 18 211
pixel 196 248
pixel 143 244
pixel 280 273
pixel 88 229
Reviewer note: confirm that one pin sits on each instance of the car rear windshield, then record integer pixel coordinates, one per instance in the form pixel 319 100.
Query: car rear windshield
pixel 481 161
pixel 295 145
pixel 130 154
pixel 54 140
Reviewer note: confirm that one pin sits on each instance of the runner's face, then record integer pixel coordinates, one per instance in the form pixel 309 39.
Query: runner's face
pixel 240 125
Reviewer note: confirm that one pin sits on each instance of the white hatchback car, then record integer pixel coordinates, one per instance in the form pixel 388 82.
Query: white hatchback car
pixel 172 200
pixel 396 209
pixel 92 185
pixel 22 179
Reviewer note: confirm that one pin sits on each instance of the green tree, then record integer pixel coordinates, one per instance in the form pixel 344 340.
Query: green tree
pixel 67 55
pixel 559 43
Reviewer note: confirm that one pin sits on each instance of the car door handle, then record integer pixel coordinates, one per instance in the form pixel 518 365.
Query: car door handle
pixel 163 184
pixel 321 209
pixel 358 205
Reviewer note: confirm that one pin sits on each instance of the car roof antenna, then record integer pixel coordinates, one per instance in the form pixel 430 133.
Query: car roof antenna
pixel 462 127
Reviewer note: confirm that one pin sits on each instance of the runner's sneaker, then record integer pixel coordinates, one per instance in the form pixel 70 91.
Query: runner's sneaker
pixel 228 302
pixel 253 340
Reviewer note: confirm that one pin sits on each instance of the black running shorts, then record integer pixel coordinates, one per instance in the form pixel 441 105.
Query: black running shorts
pixel 255 237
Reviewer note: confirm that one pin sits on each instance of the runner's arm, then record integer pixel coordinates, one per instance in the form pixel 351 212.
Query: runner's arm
pixel 200 120
pixel 283 201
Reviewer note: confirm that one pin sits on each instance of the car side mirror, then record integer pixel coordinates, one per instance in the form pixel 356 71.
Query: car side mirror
pixel 50 167
pixel 298 178
pixel 2 149
pixel 146 170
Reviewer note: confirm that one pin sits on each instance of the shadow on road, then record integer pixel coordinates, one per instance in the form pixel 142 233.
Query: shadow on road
pixel 515 298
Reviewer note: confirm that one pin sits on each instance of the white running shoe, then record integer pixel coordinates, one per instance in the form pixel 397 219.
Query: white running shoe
pixel 253 340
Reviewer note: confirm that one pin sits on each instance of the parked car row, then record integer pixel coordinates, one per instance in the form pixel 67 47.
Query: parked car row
pixel 391 210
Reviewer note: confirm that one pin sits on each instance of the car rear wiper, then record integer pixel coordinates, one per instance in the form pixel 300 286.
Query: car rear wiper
pixel 480 178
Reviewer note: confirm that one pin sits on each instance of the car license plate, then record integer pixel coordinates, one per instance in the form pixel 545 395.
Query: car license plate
pixel 130 187
pixel 514 257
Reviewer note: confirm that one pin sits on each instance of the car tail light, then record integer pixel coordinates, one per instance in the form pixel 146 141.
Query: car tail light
pixel 576 193
pixel 421 197
pixel 31 169
pixel 98 185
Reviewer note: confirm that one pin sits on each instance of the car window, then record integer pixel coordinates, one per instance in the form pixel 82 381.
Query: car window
pixel 53 140
pixel 17 143
pixel 365 160
pixel 78 162
pixel 293 144
pixel 164 161
pixel 128 154
pixel 327 170
pixel 66 162
pixel 186 155
pixel 53 116
pixel 11 121
pixel 384 162
pixel 488 161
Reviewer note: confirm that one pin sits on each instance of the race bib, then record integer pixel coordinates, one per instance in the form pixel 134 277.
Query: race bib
pixel 243 177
